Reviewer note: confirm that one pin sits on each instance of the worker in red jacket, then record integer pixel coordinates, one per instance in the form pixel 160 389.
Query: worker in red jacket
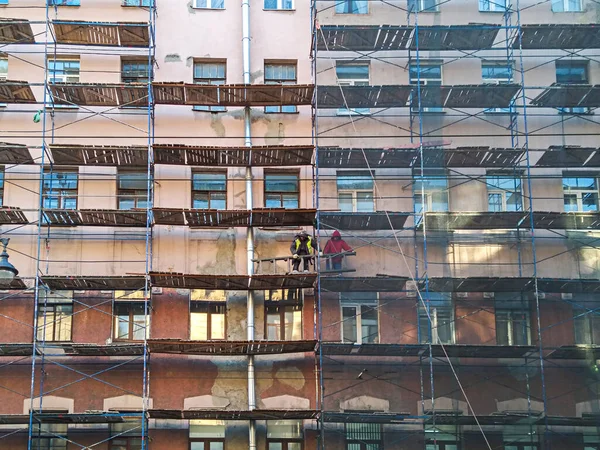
pixel 336 245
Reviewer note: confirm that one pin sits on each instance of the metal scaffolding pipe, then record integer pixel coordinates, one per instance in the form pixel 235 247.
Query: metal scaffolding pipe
pixel 249 232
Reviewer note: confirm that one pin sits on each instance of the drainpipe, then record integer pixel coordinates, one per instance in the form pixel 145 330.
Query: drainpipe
pixel 249 232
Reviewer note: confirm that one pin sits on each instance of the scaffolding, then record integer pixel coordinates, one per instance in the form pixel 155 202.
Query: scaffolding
pixel 457 273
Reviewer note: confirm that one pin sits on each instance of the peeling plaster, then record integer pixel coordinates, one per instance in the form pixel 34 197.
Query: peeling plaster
pixel 291 376
pixel 172 57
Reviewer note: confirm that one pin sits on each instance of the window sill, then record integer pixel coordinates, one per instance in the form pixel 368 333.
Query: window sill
pixel 209 111
pixel 284 113
pixel 492 12
pixel 208 9
pixel 499 113
pixel 280 10
pixel 568 113
pixel 63 107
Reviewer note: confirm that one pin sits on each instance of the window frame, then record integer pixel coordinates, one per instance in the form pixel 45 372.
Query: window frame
pixel 54 321
pixel 141 3
pixel 421 6
pixel 504 193
pixel 510 68
pixel 283 307
pixel 61 195
pixel 579 193
pixel 586 319
pixel 365 444
pixel 280 7
pixel 136 61
pixel 209 313
pixel 50 434
pixel 63 77
pixel 209 5
pixel 434 312
pixel 131 320
pixel 353 82
pixel 64 3
pixel 135 194
pixel 208 193
pixel 511 324
pixel 355 192
pixel 565 6
pixel 357 304
pixel 281 193
pixel 210 81
pixel 419 80
pixel 429 193
pixel 492 4
pixel 207 440
pixel 586 71
pixel 281 109
pixel 351 8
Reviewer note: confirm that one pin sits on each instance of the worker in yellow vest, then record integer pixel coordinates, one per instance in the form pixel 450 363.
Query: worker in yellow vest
pixel 302 245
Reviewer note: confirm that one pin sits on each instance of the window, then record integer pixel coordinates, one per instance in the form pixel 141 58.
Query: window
pixel 426 74
pixel 135 70
pixel 210 4
pixel 212 73
pixel 572 72
pixel 63 2
pixel 351 7
pixel 363 436
pixel 520 437
pixel 433 189
pixel 352 75
pixel 567 6
pixel 504 193
pixel 49 436
pixel 282 191
pixel 55 316
pixel 132 190
pixel 279 4
pixel 499 72
pixel 3 67
pixel 60 190
pixel 423 5
pixel 586 320
pixel 512 319
pixel 131 322
pixel 580 193
pixel 441 326
pixel 126 435
pixel 360 318
pixel 284 435
pixel 283 315
pixel 136 3
pixel 355 191
pixel 3 2
pixel 209 190
pixel 441 437
pixel 207 434
pixel 280 73
pixel 207 315
pixel 492 5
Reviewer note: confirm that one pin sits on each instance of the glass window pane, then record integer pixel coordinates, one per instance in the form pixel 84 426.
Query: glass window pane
pixel 349 324
pixel 133 180
pixel 199 326
pixel 209 182
pixel 273 325
pixel 345 202
pixel 369 326
pixel 275 446
pixel 217 326
pixel 281 183
pixel 364 202
pixel 207 429
pixel 290 201
pixel 216 446
pixel 589 201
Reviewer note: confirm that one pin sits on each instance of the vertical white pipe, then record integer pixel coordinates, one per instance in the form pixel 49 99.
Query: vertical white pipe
pixel 250 233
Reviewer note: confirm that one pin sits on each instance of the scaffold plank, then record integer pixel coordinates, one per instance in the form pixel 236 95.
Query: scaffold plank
pixel 223 414
pixel 563 96
pixel 10 349
pixel 287 281
pixel 589 352
pixel 480 96
pixel 363 284
pixel 16 31
pixel 12 215
pixel 113 217
pixel 248 94
pixel 365 417
pixel 282 217
pixel 259 156
pixel 567 156
pixel 362 96
pixel 363 37
pixel 94 283
pixel 188 281
pixel 55 349
pixel 360 158
pixel 477 157
pixel 228 348
pixel 209 218
pixel 16 92
pixel 455 37
pixel 378 220
pixel 449 221
pixel 14 154
pixel 564 220
pixel 558 36
pixel 84 94
pixel 168 216
pixel 62 217
pixel 437 351
pixel 68 418
pixel 478 284
pixel 105 34
pixel 99 155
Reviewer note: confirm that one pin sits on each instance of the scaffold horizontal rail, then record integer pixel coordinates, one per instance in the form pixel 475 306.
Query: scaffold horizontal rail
pixel 105 34
pixel 558 36
pixel 99 155
pixel 93 282
pixel 378 220
pixel 16 31
pixel 229 348
pixel 223 414
pixel 232 282
pixel 363 284
pixel 455 37
pixel 258 156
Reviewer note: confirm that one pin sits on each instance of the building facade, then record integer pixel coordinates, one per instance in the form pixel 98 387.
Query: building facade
pixel 159 159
